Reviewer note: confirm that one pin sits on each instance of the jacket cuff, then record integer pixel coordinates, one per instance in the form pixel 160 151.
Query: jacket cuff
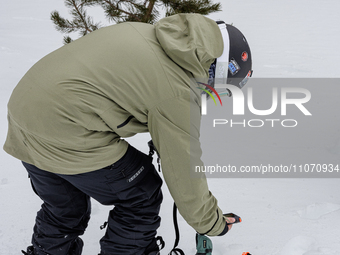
pixel 219 226
pixel 225 230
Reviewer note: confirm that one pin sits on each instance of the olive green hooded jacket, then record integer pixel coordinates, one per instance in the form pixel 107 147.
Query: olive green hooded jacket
pixel 72 109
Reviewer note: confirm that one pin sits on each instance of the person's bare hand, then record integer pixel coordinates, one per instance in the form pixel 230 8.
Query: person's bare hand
pixel 229 220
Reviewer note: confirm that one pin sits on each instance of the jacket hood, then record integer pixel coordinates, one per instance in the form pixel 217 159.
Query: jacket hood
pixel 191 40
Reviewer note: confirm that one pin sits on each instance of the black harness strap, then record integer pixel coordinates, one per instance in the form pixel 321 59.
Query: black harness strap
pixel 175 250
pixel 152 150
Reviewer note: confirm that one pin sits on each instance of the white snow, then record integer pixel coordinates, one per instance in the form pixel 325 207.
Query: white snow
pixel 280 216
pixel 315 211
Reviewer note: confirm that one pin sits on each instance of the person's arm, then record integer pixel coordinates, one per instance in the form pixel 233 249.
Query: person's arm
pixel 174 126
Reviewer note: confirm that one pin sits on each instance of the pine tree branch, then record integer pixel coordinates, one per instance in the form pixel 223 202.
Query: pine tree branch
pixel 61 24
pixel 118 9
pixel 132 3
pixel 150 8
pixel 81 21
pixel 67 40
pixel 79 12
pixel 203 7
pixel 125 10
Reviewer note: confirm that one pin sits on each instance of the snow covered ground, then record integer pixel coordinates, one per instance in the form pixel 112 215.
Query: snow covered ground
pixel 280 216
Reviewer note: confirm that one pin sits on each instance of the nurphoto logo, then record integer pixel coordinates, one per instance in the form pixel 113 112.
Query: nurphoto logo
pixel 279 101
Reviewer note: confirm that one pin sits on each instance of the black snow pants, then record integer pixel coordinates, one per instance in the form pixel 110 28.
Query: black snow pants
pixel 131 184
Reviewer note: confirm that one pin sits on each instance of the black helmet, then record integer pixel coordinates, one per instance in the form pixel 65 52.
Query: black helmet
pixel 234 66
